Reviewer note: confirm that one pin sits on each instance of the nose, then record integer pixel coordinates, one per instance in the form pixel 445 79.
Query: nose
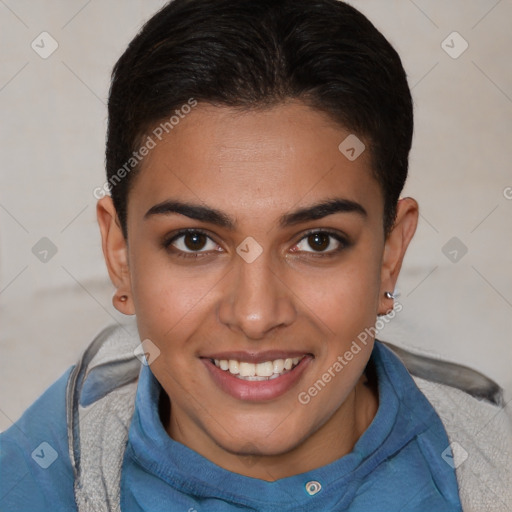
pixel 255 300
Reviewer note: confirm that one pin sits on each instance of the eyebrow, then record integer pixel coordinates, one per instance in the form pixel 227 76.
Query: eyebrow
pixel 214 216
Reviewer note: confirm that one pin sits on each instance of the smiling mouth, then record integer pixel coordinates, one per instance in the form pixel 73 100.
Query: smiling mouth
pixel 266 370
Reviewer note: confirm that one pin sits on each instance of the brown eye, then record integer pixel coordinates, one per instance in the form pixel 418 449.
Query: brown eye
pixel 191 242
pixel 195 241
pixel 319 241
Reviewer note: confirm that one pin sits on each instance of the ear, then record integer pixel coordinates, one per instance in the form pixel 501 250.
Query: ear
pixel 394 249
pixel 115 251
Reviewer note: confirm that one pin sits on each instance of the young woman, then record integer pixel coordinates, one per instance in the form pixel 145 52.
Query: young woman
pixel 256 155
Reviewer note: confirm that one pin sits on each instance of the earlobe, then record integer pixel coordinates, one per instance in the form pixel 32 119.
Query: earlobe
pixel 115 251
pixel 395 248
pixel 122 303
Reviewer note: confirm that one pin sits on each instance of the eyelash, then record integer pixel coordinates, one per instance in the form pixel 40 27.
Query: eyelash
pixel 343 241
pixel 181 254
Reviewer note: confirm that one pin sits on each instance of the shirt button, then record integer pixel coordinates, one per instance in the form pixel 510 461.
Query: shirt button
pixel 313 487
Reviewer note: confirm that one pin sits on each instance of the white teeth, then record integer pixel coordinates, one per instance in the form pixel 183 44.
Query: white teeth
pixel 278 365
pixel 246 369
pixel 266 370
pixel 233 367
pixel 254 377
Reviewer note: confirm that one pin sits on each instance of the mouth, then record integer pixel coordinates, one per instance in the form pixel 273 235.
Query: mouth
pixel 260 377
pixel 267 370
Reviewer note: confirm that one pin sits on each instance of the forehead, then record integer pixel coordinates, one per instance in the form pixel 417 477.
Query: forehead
pixel 255 161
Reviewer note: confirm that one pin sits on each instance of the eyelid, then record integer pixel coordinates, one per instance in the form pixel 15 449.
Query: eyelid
pixel 341 238
pixel 168 240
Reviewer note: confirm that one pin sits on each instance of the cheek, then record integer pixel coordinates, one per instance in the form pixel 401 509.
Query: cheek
pixel 168 298
pixel 344 299
pixel 346 311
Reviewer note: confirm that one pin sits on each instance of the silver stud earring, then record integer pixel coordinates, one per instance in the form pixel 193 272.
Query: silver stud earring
pixel 391 295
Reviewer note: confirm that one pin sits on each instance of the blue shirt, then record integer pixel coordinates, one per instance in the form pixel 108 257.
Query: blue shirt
pixel 396 465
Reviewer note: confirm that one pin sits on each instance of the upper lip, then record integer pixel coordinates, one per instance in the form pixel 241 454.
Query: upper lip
pixel 257 357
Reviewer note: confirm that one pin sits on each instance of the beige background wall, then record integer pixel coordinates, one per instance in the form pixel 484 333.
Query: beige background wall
pixel 455 306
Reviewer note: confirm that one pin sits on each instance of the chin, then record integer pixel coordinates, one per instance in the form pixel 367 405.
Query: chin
pixel 272 438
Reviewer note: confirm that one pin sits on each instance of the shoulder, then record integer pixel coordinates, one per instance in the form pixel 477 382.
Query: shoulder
pixel 478 422
pixel 35 468
pixel 480 449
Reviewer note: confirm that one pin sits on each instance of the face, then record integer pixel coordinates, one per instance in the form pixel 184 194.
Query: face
pixel 254 245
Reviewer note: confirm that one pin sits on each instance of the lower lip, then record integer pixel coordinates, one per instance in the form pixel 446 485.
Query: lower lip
pixel 259 390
